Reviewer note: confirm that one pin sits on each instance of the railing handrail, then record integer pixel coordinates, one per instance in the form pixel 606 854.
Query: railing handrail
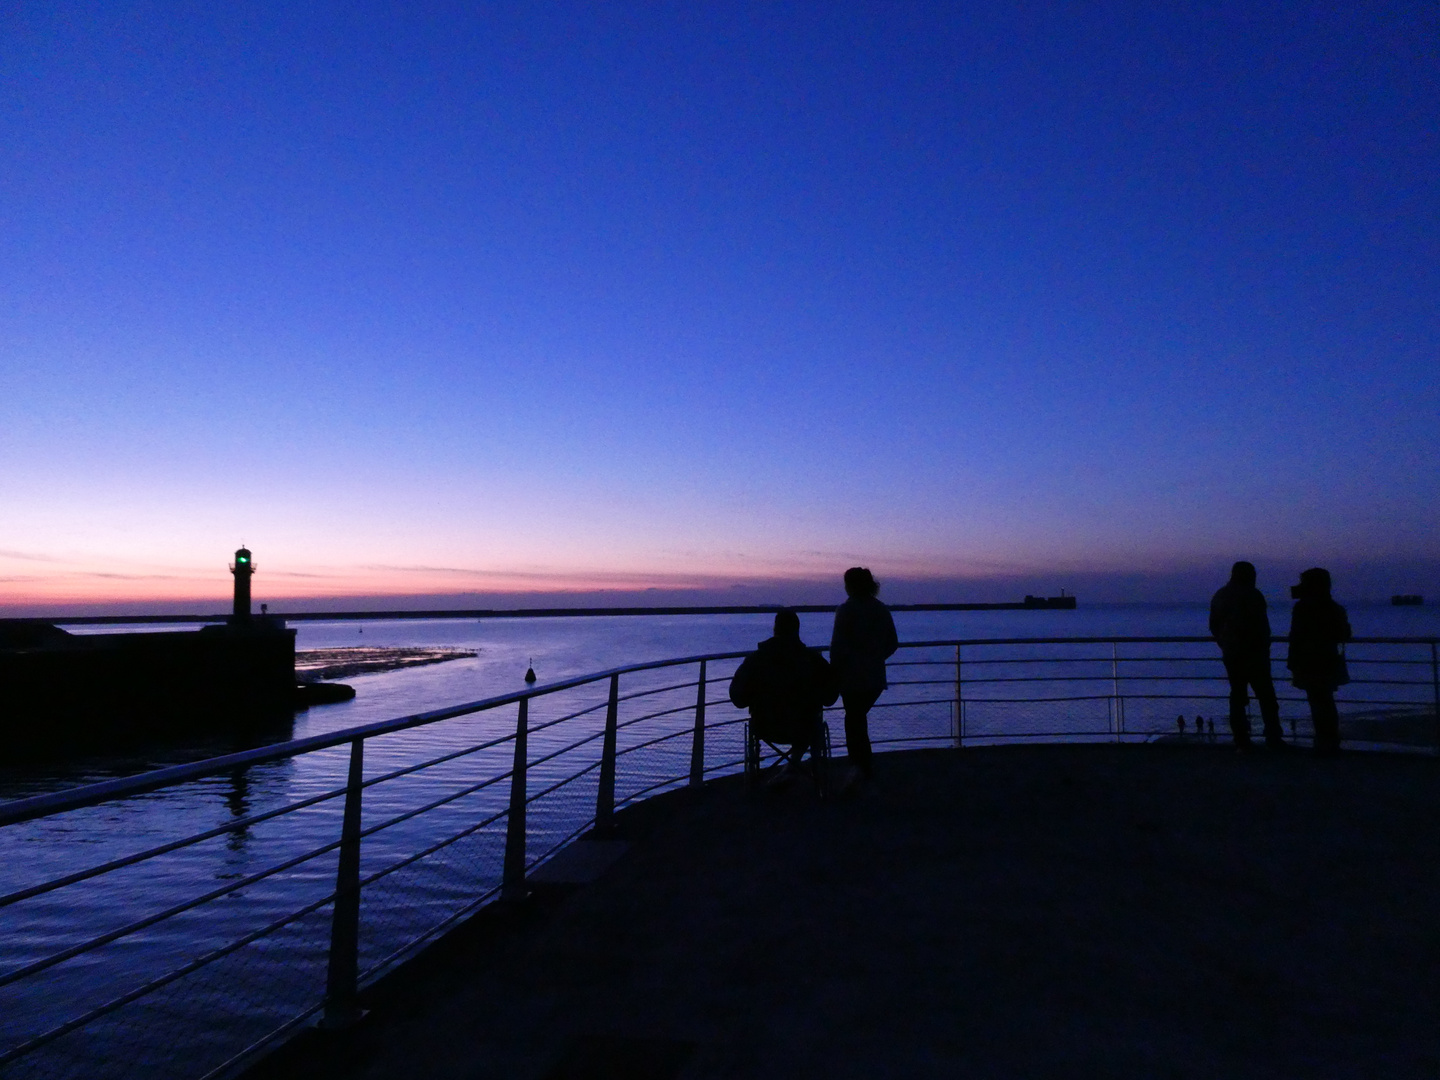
pixel 19 810
pixel 1194 640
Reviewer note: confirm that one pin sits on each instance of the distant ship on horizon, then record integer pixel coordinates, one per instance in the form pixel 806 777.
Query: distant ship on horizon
pixel 1062 601
pixel 1407 599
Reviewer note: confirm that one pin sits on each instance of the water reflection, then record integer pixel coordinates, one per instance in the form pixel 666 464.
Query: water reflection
pixel 23 779
pixel 237 801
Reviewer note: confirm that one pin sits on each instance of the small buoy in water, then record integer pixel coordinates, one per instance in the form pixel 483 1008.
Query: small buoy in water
pixel 530 672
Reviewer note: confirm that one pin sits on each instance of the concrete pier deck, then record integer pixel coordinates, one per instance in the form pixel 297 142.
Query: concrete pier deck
pixel 1135 911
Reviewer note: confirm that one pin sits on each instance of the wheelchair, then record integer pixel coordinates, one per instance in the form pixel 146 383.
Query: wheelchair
pixel 783 747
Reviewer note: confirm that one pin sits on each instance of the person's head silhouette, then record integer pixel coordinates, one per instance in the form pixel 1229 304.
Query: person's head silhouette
pixel 787 624
pixel 1243 574
pixel 1314 582
pixel 860 582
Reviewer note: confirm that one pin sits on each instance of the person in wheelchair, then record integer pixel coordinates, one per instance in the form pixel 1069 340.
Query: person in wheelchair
pixel 786 686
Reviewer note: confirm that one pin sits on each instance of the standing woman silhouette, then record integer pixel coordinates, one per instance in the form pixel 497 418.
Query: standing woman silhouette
pixel 864 636
pixel 1318 626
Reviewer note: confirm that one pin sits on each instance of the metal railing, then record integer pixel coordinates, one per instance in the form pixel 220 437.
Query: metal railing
pixel 1130 688
pixel 344 854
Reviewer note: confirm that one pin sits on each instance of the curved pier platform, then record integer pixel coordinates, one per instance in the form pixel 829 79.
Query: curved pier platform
pixel 1082 910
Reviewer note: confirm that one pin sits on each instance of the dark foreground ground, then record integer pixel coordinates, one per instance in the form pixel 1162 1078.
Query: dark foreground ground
pixel 1138 911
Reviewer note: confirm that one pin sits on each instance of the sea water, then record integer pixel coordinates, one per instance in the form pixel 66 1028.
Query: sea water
pixel 561 648
pixel 200 1020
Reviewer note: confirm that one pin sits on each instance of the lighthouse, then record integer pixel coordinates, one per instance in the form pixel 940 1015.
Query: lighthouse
pixel 242 568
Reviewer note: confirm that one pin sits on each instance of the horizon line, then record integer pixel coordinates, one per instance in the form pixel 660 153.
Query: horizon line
pixel 518 613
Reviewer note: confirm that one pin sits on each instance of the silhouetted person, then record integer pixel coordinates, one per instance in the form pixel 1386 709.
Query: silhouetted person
pixel 786 686
pixel 863 638
pixel 1240 625
pixel 1180 724
pixel 1318 626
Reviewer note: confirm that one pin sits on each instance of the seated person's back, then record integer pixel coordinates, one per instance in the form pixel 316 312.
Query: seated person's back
pixel 784 684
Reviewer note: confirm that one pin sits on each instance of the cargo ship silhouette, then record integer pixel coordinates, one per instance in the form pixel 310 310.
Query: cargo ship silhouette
pixel 1061 601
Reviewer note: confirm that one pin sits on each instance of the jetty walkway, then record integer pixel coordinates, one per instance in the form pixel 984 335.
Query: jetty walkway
pixel 1157 910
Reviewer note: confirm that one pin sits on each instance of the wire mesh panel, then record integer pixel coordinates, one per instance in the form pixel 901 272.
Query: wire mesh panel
pixel 1057 690
pixel 148 986
pixel 563 776
pixel 918 708
pixel 656 732
pixel 724 723
pixel 1127 689
pixel 137 966
pixel 1393 695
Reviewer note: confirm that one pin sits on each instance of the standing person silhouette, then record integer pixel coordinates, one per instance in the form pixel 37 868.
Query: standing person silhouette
pixel 864 636
pixel 1318 626
pixel 1240 625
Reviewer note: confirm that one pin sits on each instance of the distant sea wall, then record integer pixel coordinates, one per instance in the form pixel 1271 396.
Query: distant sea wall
pixel 63 694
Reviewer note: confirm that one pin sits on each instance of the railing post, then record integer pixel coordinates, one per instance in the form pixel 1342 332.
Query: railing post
pixel 512 885
pixel 1435 687
pixel 1115 689
pixel 605 794
pixel 697 745
pixel 958 729
pixel 341 982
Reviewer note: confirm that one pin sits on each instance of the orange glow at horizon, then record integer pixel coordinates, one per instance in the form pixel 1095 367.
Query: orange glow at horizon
pixel 82 585
pixel 32 580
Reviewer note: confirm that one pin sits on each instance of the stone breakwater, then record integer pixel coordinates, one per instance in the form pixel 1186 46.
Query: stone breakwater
pixel 349 661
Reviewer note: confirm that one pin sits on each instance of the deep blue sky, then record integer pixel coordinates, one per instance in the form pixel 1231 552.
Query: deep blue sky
pixel 486 297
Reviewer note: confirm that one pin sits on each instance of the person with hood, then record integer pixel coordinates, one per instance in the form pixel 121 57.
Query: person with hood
pixel 863 638
pixel 786 686
pixel 1240 625
pixel 1318 627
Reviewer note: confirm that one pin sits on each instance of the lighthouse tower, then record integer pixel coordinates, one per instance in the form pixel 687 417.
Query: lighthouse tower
pixel 242 568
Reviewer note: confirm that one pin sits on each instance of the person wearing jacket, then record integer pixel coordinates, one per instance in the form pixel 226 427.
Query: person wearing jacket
pixel 864 636
pixel 1240 625
pixel 1318 626
pixel 786 686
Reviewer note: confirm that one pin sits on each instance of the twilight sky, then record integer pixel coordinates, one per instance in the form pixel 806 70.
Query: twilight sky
pixel 499 297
